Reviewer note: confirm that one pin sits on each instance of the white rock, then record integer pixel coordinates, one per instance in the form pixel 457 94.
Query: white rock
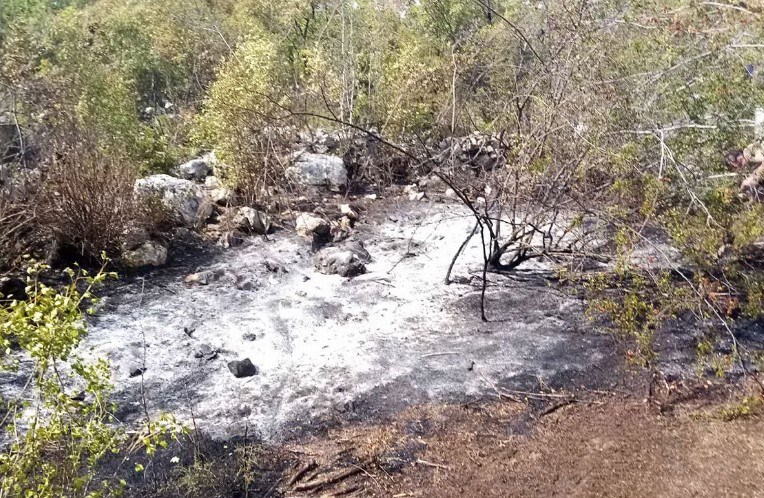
pixel 195 169
pixel 251 220
pixel 306 225
pixel 450 193
pixel 348 211
pixel 183 199
pixel 150 253
pixel 319 170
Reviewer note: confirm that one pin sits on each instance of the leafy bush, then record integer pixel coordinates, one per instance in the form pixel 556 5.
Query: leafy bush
pixel 59 441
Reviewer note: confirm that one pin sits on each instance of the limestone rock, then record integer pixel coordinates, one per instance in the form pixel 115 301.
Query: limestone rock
pixel 319 170
pixel 183 199
pixel 149 253
pixel 251 220
pixel 195 169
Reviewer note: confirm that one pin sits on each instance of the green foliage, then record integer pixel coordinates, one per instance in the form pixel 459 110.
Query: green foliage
pixel 58 443
pixel 636 305
pixel 749 406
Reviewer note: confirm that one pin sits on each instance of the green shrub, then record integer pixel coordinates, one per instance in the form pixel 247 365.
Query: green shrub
pixel 59 441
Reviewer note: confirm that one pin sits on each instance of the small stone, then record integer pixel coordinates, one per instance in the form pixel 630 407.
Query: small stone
pixel 308 226
pixel 205 352
pixel 251 220
pixel 348 211
pixel 136 371
pixel 450 193
pixel 249 336
pixel 242 368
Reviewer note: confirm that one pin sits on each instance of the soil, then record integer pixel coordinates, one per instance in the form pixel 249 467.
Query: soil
pixel 604 446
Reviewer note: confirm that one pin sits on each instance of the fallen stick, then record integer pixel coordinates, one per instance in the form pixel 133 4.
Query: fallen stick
pixel 499 393
pixel 556 407
pixel 329 479
pixel 347 491
pixel 539 395
pixel 430 464
pixel 439 354
pixel 301 472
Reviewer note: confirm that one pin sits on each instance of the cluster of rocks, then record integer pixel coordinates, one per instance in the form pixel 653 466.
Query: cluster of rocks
pixel 192 198
pixel 196 199
pixel 477 151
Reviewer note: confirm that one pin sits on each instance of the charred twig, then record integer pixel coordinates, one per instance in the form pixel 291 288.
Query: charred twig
pixel 301 472
pixel 431 464
pixel 553 408
pixel 459 252
pixel 329 479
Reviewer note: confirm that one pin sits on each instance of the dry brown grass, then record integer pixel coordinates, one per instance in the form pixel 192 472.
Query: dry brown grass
pixel 87 203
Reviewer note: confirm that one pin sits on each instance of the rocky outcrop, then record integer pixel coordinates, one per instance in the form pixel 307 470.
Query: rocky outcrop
pixel 348 260
pixel 319 170
pixel 184 200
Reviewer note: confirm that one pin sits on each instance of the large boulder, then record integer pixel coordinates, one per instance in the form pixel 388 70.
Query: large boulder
pixel 346 261
pixel 183 199
pixel 319 170
pixel 149 253
pixel 196 169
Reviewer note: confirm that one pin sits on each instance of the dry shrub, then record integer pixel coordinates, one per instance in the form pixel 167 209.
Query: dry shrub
pixel 87 203
pixel 262 174
pixel 14 224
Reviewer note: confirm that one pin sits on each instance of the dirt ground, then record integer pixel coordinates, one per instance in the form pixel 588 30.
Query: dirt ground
pixel 603 446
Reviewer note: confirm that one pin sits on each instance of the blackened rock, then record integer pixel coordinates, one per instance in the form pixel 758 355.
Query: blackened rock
pixel 242 368
pixel 136 371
